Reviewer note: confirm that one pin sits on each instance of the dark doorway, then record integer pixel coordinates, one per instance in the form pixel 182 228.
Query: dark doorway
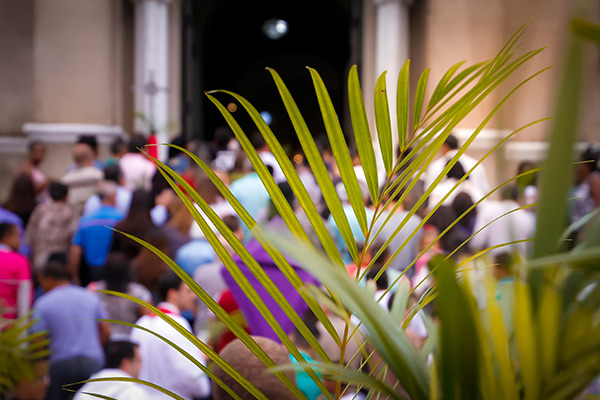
pixel 225 48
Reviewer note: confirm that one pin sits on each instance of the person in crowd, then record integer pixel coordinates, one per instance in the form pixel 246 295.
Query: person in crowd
pixel 117 278
pixel 209 276
pixel 177 229
pixel 31 167
pixel 224 153
pixel 159 212
pixel 441 219
pixel 10 217
pixel 164 365
pixel 52 226
pixel 585 195
pixel 449 149
pixel 519 225
pixel 123 360
pixel 112 173
pixel 137 169
pixel 82 180
pixel 446 187
pixel 137 222
pixel 93 237
pixel 147 267
pixel 118 148
pixel 195 254
pixel 91 141
pixel 357 232
pixel 69 316
pixel 262 148
pixel 21 198
pixel 527 184
pixel 256 321
pixel 15 274
pixel 461 203
pixel 248 365
pixel 429 247
pixel 401 243
pixel 251 193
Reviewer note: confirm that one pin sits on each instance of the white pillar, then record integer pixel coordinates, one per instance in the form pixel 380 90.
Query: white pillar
pixel 151 66
pixel 391 49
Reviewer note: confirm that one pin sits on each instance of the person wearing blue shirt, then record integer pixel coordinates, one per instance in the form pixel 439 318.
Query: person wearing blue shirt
pixel 93 237
pixel 68 315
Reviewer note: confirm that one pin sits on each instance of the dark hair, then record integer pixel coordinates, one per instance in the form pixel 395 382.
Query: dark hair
pixel 117 351
pixel 382 282
pixel 310 320
pixel 59 257
pixel 232 222
pixel 451 142
pixel 221 137
pixel 169 280
pixel 113 173
pixel 461 203
pixel 116 272
pixel 117 145
pixel 136 223
pixel 136 142
pixel 257 140
pixel 504 261
pixel 6 229
pixel 180 141
pixel 58 191
pixel 457 171
pixel 385 254
pixel 57 270
pixel 90 140
pixel 510 192
pixel 592 153
pixel 34 143
pixel 21 199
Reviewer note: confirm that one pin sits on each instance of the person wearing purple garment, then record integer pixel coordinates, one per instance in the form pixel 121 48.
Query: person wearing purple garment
pixel 256 321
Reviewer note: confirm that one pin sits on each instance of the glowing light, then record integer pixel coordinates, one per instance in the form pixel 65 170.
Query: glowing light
pixel 275 28
pixel 266 116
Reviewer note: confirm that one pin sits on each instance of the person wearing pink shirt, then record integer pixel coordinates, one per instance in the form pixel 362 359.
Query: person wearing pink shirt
pixel 15 274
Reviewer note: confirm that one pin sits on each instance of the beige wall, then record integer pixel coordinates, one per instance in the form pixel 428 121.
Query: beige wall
pixel 16 66
pixel 73 56
pixel 474 30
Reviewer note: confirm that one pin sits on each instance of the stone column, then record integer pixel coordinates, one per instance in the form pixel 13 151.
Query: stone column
pixel 391 48
pixel 151 68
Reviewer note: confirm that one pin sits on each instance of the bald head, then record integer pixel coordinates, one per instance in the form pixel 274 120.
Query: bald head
pixel 245 362
pixel 83 155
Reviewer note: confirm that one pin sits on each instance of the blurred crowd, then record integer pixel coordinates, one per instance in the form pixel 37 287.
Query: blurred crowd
pixel 58 248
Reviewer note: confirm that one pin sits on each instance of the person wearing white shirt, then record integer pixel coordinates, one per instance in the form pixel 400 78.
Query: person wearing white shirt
pixel 518 225
pixel 123 360
pixel 164 365
pixel 449 149
pixel 137 169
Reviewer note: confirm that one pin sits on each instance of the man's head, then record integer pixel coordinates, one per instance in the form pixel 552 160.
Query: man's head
pixel 9 236
pixel 58 191
pixel 118 147
pixel 83 155
pixel 173 290
pixel 91 141
pixel 107 191
pixel 55 272
pixel 37 150
pixel 136 143
pixel 123 355
pixel 451 143
pixel 113 173
pixel 245 362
